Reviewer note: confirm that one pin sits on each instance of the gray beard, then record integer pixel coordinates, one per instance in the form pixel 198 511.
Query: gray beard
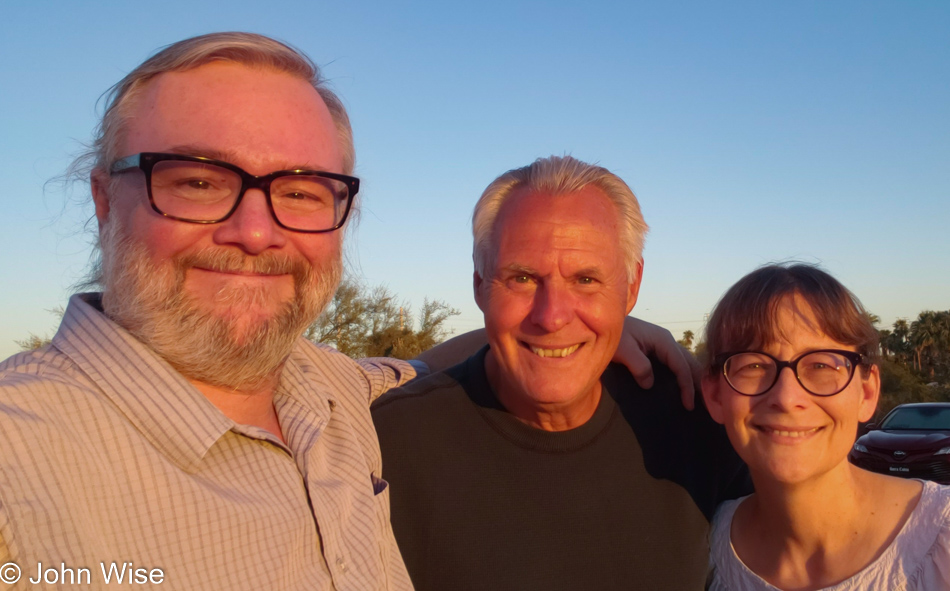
pixel 151 303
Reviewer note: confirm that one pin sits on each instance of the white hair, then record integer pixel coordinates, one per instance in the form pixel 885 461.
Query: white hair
pixel 557 175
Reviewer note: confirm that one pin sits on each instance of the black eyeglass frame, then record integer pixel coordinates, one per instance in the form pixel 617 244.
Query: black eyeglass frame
pixel 854 357
pixel 145 161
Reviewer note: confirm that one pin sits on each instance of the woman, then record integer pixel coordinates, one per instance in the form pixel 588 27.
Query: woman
pixel 815 521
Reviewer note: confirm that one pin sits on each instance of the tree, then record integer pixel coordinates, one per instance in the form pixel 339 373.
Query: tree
pixel 896 342
pixel 33 341
pixel 363 322
pixel 930 337
pixel 687 340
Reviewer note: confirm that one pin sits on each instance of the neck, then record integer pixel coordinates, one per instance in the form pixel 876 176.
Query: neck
pixel 806 535
pixel 812 512
pixel 547 416
pixel 246 406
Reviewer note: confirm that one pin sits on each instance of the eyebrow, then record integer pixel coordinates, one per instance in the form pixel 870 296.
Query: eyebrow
pixel 519 269
pixel 595 272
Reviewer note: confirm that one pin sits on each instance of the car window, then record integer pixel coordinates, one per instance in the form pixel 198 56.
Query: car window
pixel 933 418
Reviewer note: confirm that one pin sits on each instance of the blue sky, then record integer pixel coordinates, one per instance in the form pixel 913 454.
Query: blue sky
pixel 750 131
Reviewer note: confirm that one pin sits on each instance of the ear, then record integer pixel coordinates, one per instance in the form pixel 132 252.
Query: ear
pixel 870 393
pixel 712 397
pixel 477 284
pixel 99 182
pixel 633 288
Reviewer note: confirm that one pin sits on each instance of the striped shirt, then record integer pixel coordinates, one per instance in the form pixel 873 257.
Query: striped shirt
pixel 108 457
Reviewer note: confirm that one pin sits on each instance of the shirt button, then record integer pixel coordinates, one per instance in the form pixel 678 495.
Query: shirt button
pixel 341 564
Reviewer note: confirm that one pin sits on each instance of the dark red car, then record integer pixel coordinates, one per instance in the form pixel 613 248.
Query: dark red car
pixel 913 441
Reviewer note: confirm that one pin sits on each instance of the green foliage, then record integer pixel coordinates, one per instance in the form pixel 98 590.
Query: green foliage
pixel 899 385
pixel 687 340
pixel 699 352
pixel 33 341
pixel 916 365
pixel 930 338
pixel 363 322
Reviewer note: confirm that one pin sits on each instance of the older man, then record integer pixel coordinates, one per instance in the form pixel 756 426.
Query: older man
pixel 534 465
pixel 178 431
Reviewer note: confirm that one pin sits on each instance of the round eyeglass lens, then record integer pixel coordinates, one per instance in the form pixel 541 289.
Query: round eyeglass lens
pixel 750 373
pixel 824 372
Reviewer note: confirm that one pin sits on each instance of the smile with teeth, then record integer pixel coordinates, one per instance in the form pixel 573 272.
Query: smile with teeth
pixel 554 352
pixel 784 433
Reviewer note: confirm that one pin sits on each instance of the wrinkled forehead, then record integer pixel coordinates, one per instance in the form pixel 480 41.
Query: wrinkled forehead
pixel 584 212
pixel 576 229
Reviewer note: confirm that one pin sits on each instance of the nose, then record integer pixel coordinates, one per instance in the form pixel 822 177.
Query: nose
pixel 787 393
pixel 251 227
pixel 553 307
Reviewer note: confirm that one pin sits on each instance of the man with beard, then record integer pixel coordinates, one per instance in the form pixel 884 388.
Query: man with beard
pixel 178 431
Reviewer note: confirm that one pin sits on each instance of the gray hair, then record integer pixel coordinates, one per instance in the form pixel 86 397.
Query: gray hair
pixel 247 49
pixel 557 175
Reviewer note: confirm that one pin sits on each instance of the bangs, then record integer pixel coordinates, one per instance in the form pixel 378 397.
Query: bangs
pixel 746 318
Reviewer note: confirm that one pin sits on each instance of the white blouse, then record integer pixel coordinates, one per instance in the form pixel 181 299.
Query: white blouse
pixel 917 560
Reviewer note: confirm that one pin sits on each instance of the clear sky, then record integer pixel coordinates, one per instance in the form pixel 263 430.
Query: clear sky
pixel 750 131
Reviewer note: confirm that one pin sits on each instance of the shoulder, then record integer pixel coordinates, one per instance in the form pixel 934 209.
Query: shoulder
pixel 658 413
pixel 39 380
pixel 921 552
pixel 720 537
pixel 935 503
pixel 727 571
pixel 941 494
pixel 686 447
pixel 418 395
pixel 368 378
pixel 941 549
pixel 430 411
pixel 325 357
pixel 45 363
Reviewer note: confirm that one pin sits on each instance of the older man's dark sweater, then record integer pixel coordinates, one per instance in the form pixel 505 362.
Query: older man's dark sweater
pixel 482 501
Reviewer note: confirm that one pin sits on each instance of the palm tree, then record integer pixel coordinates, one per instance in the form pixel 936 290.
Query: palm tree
pixel 924 333
pixel 898 342
pixel 884 337
pixel 687 340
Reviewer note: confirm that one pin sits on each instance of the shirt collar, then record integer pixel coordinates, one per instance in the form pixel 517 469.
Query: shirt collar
pixel 157 400
pixel 161 403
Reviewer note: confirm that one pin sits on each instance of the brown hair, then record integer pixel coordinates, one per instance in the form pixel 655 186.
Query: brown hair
pixel 746 316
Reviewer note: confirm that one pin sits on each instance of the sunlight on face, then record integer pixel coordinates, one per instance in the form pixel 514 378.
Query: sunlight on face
pixel 223 302
pixel 786 434
pixel 556 301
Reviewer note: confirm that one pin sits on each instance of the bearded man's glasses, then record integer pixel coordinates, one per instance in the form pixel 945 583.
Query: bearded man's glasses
pixel 205 191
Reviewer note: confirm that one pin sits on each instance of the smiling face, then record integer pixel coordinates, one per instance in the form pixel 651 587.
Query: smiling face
pixel 787 435
pixel 222 302
pixel 555 304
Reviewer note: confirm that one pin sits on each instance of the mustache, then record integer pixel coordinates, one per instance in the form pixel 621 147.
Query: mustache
pixel 233 261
